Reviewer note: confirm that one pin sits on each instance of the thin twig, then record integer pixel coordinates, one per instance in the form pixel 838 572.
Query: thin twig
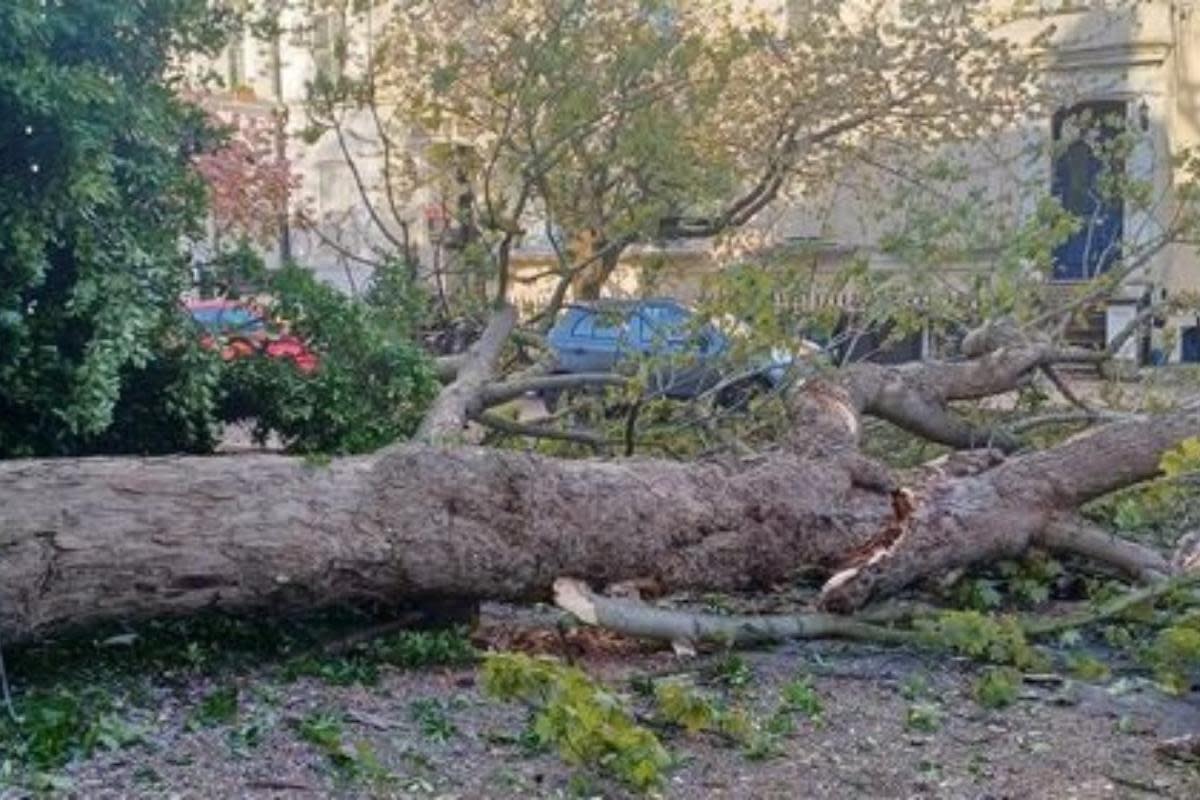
pixel 1064 388
pixel 1067 418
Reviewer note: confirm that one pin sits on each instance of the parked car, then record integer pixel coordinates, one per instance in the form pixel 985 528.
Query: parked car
pixel 689 356
pixel 240 329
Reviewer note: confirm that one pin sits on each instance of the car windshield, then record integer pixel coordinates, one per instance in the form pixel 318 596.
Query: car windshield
pixel 227 319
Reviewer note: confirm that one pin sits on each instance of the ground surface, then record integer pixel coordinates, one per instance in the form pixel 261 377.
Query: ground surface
pixel 894 724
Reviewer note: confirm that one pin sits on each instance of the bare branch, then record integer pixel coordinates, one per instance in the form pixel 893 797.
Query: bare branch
pixel 1074 535
pixel 497 393
pixel 514 428
pixel 314 227
pixel 1113 608
pixel 446 418
pixel 356 174
pixel 638 619
pixel 1089 417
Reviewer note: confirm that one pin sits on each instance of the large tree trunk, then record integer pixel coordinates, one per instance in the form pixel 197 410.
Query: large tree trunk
pixel 590 282
pixel 82 540
pixel 92 539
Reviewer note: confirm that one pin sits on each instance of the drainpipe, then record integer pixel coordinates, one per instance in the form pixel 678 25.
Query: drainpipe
pixel 281 120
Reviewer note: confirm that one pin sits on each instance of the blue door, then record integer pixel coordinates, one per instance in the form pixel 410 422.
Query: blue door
pixel 1077 182
pixel 1191 345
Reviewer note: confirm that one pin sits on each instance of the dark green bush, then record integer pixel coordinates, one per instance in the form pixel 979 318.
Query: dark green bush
pixel 371 387
pixel 168 405
pixel 97 197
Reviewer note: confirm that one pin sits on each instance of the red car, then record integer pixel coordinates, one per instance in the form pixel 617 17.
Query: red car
pixel 240 329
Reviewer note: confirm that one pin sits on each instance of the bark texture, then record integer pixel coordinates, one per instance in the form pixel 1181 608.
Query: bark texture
pixel 1001 512
pixel 92 539
pixel 458 401
pixel 84 540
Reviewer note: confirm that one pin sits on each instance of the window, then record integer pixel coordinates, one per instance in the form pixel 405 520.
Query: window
pixel 329 44
pixel 1086 152
pixel 235 63
pixel 601 326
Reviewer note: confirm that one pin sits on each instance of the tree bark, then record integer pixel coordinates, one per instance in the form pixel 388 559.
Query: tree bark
pixel 92 539
pixel 590 282
pixel 457 402
pixel 1003 511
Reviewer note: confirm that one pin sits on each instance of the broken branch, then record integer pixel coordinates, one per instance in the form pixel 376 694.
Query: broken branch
pixel 1081 538
pixel 514 428
pixel 633 618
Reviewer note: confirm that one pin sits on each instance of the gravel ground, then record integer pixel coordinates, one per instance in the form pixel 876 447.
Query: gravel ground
pixel 1060 740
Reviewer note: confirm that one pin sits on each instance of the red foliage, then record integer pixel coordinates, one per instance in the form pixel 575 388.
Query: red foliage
pixel 249 180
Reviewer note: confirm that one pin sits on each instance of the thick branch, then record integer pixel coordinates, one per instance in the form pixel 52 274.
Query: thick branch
pixel 638 619
pixel 996 372
pixel 1102 460
pixel 497 393
pixel 915 410
pixel 649 622
pixel 450 411
pixel 916 397
pixel 1084 539
pixel 1002 512
pixel 447 367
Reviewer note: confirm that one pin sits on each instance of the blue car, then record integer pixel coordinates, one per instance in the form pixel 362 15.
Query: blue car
pixel 686 356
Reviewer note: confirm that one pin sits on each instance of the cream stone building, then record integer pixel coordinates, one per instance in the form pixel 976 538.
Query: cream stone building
pixel 1140 61
pixel 269 78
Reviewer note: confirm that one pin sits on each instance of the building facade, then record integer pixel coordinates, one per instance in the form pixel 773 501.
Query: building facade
pixel 1137 62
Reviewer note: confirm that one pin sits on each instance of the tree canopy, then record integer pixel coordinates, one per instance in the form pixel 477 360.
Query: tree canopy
pixel 599 126
pixel 96 200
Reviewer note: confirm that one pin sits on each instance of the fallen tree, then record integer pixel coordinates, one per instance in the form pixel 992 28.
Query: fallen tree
pixel 94 539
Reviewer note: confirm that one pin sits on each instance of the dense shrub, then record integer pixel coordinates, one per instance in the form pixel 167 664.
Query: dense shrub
pixel 170 404
pixel 97 198
pixel 371 387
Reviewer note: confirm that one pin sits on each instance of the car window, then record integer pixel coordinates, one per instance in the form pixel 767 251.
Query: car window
pixel 582 325
pixel 227 320
pixel 567 323
pixel 640 329
pixel 604 326
pixel 666 323
pixel 674 315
